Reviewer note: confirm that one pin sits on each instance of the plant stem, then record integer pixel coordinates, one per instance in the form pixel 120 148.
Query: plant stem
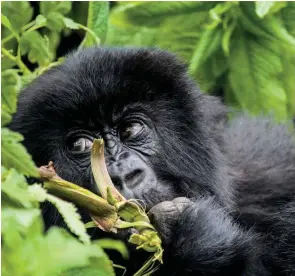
pixel 17 60
pixel 11 36
pixel 8 55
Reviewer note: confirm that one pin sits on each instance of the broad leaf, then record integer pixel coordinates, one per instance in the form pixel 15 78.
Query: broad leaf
pixel 62 7
pixel 254 69
pixel 151 13
pixel 5 117
pixel 268 27
pixel 66 209
pixel 263 7
pixel 18 12
pixel 69 23
pixel 37 48
pixel 14 155
pixel 55 21
pixel 97 21
pixel 10 86
pixel 207 45
pixel 6 22
pixel 15 187
pixel 288 17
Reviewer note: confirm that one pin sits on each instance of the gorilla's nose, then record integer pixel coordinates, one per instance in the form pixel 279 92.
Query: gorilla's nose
pixel 124 178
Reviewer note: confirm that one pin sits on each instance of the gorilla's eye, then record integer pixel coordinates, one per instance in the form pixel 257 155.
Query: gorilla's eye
pixel 80 145
pixel 131 130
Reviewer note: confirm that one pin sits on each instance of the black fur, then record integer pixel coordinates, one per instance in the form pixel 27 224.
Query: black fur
pixel 238 175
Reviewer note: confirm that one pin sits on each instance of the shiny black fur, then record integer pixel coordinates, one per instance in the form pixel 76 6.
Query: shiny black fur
pixel 238 175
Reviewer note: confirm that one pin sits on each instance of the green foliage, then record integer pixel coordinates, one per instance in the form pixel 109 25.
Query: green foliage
pixel 97 21
pixel 26 249
pixel 247 49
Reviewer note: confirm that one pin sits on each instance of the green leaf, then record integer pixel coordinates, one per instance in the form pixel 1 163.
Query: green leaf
pixel 207 45
pixel 10 86
pixel 40 20
pixel 152 13
pixel 66 209
pixel 18 12
pixel 62 7
pixel 263 7
pixel 14 155
pixel 255 66
pixel 23 217
pixel 55 21
pixel 287 77
pixel 89 257
pixel 5 21
pixel 69 23
pixel 288 17
pixel 97 21
pixel 213 72
pixel 37 48
pixel 268 27
pixel 114 245
pixel 177 33
pixel 5 117
pixel 15 187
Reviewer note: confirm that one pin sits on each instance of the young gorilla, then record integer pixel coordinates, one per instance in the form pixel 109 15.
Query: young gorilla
pixel 221 194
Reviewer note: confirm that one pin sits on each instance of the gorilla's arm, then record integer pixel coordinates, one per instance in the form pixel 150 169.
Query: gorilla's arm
pixel 202 238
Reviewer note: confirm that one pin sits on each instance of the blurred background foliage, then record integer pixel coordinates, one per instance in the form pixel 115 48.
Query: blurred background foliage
pixel 243 52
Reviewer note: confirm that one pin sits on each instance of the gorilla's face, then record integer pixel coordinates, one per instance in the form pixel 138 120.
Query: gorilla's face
pixel 150 114
pixel 131 142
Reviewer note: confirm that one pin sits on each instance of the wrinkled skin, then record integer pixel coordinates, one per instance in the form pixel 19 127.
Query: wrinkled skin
pixel 220 194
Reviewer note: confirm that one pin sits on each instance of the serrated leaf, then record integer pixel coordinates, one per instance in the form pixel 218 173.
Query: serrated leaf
pixel 37 48
pixel 14 155
pixel 14 186
pixel 10 86
pixel 5 117
pixel 23 217
pixel 256 83
pixel 56 247
pixel 7 63
pixel 18 12
pixel 40 20
pixel 97 21
pixel 68 211
pixel 90 256
pixel 55 21
pixel 6 22
pixel 62 7
pixel 69 23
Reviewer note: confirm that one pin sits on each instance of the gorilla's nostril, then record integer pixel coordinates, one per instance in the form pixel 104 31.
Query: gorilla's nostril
pixel 134 177
pixel 117 182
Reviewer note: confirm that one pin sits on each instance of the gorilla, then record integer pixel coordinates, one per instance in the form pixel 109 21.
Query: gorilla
pixel 220 192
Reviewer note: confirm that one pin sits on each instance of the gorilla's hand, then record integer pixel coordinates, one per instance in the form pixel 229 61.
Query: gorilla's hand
pixel 201 236
pixel 164 216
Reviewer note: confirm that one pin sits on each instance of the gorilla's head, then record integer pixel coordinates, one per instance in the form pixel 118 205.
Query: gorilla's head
pixel 159 130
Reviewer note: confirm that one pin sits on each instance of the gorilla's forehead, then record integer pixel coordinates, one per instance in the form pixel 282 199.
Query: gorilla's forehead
pixel 100 82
